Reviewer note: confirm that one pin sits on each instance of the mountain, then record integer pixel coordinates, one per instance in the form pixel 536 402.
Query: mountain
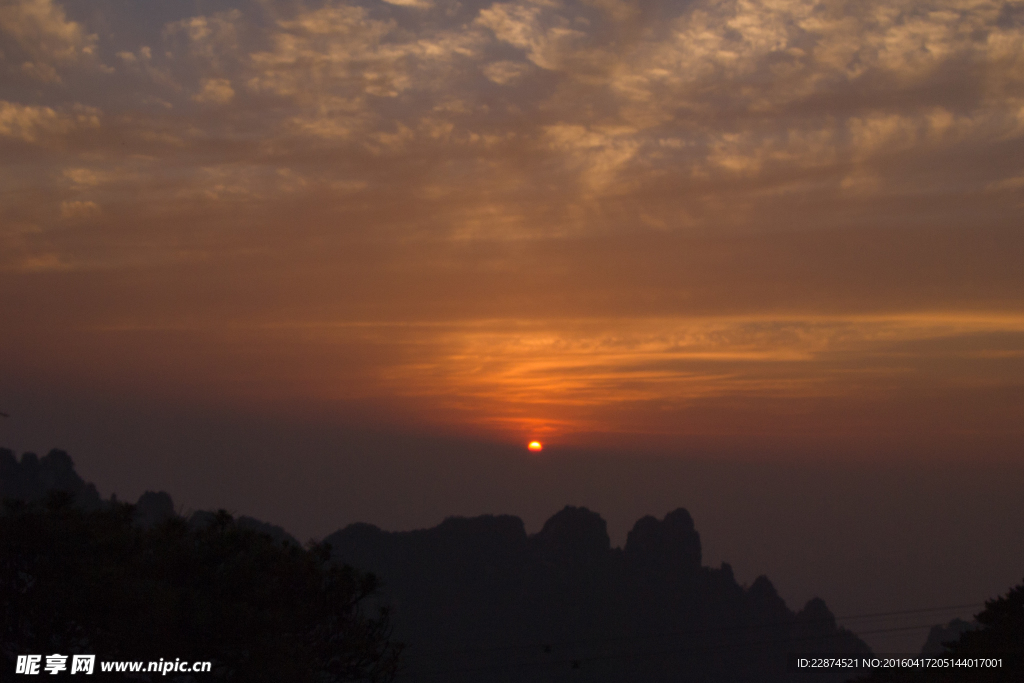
pixel 32 478
pixel 478 599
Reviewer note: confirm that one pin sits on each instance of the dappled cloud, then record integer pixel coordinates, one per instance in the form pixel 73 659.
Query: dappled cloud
pixel 591 215
pixel 37 124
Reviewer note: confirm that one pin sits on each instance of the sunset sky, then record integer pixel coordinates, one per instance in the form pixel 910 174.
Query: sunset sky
pixel 771 229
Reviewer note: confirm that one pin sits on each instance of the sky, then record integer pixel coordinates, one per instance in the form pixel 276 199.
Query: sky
pixel 256 246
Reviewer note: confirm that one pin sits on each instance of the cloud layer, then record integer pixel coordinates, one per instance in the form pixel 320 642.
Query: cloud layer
pixel 530 217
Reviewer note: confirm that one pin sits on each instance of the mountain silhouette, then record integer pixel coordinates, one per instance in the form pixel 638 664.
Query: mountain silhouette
pixel 473 599
pixel 478 599
pixel 32 478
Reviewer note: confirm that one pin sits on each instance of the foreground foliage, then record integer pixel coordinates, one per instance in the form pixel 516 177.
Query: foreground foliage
pixel 1001 636
pixel 91 582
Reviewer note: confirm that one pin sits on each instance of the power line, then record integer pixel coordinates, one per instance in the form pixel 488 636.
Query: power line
pixel 910 611
pixel 693 631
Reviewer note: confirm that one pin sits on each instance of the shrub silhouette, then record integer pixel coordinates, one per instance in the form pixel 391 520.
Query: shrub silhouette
pixel 1001 635
pixel 74 581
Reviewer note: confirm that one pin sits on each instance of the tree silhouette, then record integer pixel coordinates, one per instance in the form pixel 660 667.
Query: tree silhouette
pixel 1001 636
pixel 92 582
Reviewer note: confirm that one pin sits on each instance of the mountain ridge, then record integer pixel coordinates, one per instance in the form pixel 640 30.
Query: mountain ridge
pixel 482 600
pixel 479 599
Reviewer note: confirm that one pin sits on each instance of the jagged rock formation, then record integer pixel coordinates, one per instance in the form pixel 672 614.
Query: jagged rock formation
pixel 152 509
pixel 480 600
pixel 33 478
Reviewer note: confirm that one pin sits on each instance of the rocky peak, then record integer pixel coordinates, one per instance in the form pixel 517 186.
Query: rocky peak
pixel 575 532
pixel 671 544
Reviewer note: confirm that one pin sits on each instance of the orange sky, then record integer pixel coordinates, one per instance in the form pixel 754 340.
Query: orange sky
pixel 597 222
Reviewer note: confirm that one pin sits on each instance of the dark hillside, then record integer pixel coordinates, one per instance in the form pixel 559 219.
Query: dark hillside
pixel 480 600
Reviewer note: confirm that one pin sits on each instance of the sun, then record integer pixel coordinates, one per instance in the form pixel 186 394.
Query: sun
pixel 536 446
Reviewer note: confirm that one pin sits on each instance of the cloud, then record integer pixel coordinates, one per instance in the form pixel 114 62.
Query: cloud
pixel 505 71
pixel 600 153
pixel 85 177
pixel 726 168
pixel 40 124
pixel 78 209
pixel 420 4
pixel 215 91
pixel 42 33
pixel 756 89
pixel 531 26
pixel 561 376
pixel 337 47
pixel 212 40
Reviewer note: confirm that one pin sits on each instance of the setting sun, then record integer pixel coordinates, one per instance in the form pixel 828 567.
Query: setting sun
pixel 535 446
